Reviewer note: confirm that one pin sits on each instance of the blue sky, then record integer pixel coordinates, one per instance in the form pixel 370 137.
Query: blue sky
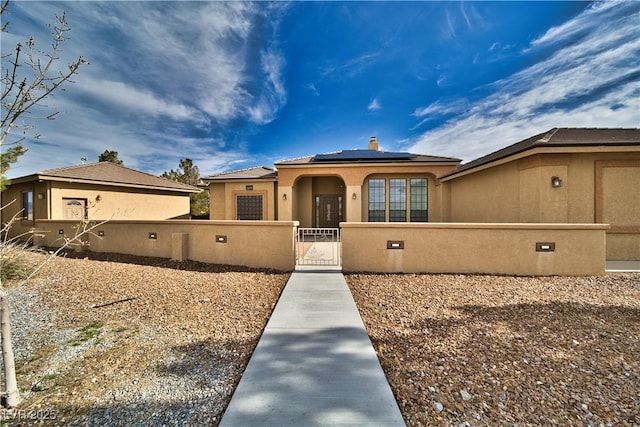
pixel 234 85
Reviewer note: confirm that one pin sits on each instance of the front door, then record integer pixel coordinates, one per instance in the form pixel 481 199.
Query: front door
pixel 329 211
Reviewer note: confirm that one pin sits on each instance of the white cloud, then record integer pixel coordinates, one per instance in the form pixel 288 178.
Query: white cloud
pixel 592 82
pixel 123 96
pixel 353 66
pixel 312 88
pixel 460 15
pixel 274 95
pixel 374 105
pixel 590 18
pixel 439 108
pixel 159 71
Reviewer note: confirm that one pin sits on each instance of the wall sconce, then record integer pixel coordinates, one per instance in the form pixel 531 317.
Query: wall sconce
pixel 556 182
pixel 354 196
pixel 40 196
pixel 284 196
pixel 98 198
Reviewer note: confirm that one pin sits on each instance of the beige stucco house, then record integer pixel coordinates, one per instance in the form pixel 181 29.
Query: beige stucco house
pixel 564 175
pixel 326 189
pixel 560 176
pixel 96 191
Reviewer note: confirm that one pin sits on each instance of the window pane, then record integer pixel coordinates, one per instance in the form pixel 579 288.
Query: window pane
pixel 397 200
pixel 376 200
pixel 418 200
pixel 27 206
pixel 249 207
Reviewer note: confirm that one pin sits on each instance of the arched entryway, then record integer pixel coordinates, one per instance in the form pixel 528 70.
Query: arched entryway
pixel 319 201
pixel 319 206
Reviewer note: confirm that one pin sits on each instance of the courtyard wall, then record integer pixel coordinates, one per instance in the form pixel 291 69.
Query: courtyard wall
pixel 510 249
pixel 513 249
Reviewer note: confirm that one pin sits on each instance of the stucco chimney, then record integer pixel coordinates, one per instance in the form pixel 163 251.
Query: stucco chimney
pixel 373 144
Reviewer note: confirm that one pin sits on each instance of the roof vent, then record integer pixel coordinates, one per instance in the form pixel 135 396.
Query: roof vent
pixel 373 144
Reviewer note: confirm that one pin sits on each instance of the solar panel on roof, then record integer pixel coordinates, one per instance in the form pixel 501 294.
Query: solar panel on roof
pixel 363 155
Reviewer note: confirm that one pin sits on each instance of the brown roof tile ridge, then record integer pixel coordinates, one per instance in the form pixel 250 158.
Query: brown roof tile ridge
pixel 547 137
pixel 170 183
pixel 240 170
pixel 444 158
pixel 65 168
pixel 298 158
pixel 620 135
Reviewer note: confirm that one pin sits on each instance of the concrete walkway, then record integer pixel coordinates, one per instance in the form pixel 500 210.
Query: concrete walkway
pixel 314 364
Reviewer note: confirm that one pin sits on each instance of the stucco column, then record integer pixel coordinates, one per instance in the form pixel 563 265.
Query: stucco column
pixel 354 206
pixel 285 203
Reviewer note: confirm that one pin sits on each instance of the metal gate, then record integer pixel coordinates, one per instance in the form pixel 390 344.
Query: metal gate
pixel 318 246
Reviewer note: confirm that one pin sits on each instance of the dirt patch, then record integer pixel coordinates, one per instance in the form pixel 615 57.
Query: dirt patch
pixel 488 350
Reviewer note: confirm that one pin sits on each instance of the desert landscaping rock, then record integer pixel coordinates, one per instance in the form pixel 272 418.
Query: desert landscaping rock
pixel 136 342
pixel 131 341
pixel 507 351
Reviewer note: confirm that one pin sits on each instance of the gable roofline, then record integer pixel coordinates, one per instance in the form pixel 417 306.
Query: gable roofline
pixel 554 138
pixel 107 173
pixel 259 172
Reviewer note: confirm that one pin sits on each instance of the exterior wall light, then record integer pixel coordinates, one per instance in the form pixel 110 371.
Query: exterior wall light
pixel 354 196
pixel 556 182
pixel 98 198
pixel 284 196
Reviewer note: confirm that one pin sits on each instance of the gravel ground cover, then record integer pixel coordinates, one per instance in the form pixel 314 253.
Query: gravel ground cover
pixel 135 341
pixel 467 350
pixel 146 341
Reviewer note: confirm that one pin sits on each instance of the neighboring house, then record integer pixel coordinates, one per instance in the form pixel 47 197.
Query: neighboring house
pixel 560 176
pixel 96 191
pixel 326 189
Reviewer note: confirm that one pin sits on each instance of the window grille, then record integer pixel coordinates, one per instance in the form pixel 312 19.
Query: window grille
pixel 397 200
pixel 376 200
pixel 418 200
pixel 249 207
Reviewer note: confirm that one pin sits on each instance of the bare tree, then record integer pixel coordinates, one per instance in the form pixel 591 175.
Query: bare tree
pixel 28 77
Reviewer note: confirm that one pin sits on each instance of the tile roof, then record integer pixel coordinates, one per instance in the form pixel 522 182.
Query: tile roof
pixel 112 174
pixel 366 156
pixel 559 137
pixel 260 172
